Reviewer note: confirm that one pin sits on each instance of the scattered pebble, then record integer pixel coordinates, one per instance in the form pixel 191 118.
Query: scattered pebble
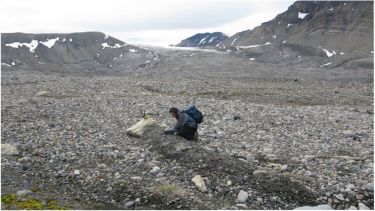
pixel 242 196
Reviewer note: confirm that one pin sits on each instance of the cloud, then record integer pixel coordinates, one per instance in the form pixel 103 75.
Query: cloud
pixel 195 17
pixel 155 17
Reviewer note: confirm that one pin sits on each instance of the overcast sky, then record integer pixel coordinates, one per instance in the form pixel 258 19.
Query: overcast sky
pixel 155 22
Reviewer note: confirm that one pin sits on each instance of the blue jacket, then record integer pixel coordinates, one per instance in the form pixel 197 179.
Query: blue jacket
pixel 184 120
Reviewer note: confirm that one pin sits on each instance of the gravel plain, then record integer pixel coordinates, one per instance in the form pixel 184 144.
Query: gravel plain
pixel 274 136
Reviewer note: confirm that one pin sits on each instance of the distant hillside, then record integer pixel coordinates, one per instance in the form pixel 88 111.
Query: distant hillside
pixel 339 32
pixel 203 40
pixel 92 52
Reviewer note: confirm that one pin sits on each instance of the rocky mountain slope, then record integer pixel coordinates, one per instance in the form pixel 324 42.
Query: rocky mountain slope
pixel 321 33
pixel 203 40
pixel 87 52
pixel 310 33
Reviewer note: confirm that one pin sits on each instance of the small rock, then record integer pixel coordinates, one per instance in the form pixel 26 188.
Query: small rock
pixel 229 182
pixel 23 193
pixel 24 159
pixel 26 167
pixel 219 189
pixel 199 183
pixel 287 168
pixel 42 93
pixel 348 133
pixel 137 200
pixel 227 117
pixel 294 159
pixel 350 187
pixel 260 200
pixel 220 133
pixel 155 169
pixel 271 157
pixel 236 118
pixel 259 172
pixel 160 175
pixel 361 206
pixel 319 207
pixel 352 208
pixel 76 172
pixel 216 122
pixel 241 206
pixel 136 178
pixel 7 149
pixel 109 146
pixel 161 179
pixel 242 196
pixel 369 187
pixel 117 175
pixel 340 197
pixel 129 204
pixel 359 197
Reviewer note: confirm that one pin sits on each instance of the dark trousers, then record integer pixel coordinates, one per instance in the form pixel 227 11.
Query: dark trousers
pixel 188 133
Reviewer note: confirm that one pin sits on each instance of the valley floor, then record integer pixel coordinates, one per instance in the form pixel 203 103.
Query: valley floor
pixel 313 127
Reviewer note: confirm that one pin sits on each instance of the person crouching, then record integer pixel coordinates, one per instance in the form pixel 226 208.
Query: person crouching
pixel 185 127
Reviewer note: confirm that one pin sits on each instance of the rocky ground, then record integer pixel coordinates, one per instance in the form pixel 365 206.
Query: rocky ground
pixel 273 137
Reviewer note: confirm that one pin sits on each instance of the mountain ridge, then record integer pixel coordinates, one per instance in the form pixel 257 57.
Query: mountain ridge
pixel 317 34
pixel 89 52
pixel 203 40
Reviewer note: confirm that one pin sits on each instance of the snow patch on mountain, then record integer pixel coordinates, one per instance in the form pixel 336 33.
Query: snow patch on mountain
pixel 202 40
pixel 212 39
pixel 50 42
pixel 329 54
pixel 234 41
pixel 302 15
pixel 32 45
pixel 254 46
pixel 323 65
pixel 5 64
pixel 106 45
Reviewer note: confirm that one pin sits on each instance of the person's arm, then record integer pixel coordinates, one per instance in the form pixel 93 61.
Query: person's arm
pixel 180 123
pixel 178 126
